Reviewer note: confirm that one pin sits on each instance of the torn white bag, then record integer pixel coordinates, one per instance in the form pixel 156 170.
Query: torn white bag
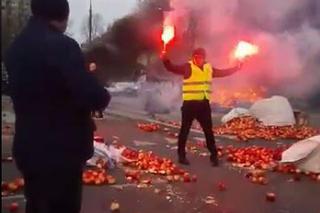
pixel 274 111
pixel 304 154
pixel 108 153
pixel 235 113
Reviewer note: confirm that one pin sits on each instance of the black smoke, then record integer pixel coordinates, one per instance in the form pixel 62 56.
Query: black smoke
pixel 117 51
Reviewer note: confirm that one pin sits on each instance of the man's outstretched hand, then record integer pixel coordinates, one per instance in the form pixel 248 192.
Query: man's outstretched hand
pixel 163 55
pixel 239 65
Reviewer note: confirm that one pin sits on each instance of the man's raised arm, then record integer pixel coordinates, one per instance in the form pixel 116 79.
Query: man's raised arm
pixel 183 69
pixel 218 73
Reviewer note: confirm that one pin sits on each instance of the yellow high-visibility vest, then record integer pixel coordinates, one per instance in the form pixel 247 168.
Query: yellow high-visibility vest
pixel 198 85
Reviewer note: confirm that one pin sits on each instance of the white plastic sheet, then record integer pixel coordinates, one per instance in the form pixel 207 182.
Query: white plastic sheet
pixel 108 153
pixel 274 111
pixel 8 117
pixel 235 113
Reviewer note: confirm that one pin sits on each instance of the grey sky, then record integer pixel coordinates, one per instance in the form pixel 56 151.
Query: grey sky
pixel 109 9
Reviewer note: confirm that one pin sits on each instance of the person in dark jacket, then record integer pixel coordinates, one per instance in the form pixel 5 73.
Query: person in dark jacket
pixel 53 96
pixel 196 94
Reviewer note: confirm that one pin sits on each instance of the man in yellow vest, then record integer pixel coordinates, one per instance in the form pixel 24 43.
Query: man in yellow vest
pixel 196 92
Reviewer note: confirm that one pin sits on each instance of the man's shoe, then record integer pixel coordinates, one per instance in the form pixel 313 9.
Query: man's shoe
pixel 184 161
pixel 214 162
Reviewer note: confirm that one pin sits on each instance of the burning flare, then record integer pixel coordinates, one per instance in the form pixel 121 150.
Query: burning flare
pixel 245 49
pixel 167 35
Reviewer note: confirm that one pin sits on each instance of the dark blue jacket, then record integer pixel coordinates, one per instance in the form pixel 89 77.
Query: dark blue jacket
pixel 52 95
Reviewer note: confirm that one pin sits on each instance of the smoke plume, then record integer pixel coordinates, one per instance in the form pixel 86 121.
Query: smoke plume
pixel 287 32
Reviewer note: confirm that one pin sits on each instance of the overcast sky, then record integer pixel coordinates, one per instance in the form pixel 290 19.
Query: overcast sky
pixel 109 9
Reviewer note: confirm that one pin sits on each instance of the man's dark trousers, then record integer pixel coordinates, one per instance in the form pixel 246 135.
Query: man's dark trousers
pixel 201 111
pixel 53 191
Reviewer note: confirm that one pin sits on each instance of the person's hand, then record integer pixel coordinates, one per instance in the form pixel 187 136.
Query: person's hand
pixel 163 55
pixel 239 65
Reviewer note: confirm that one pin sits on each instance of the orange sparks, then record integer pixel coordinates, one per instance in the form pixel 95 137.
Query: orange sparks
pixel 227 97
pixel 245 49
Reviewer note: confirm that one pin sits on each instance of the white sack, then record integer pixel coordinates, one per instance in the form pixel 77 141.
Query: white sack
pixel 312 162
pixel 305 154
pixel 274 111
pixel 300 150
pixel 235 113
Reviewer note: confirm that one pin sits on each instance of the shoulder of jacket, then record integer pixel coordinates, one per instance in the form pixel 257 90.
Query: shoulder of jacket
pixel 70 40
pixel 61 40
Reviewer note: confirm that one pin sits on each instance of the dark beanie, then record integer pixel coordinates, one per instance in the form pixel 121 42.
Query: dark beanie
pixel 57 10
pixel 199 51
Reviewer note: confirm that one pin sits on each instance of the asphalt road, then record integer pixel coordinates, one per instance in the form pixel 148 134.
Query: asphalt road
pixel 241 196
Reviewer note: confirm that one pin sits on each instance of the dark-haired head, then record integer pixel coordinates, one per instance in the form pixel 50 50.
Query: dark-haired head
pixel 56 12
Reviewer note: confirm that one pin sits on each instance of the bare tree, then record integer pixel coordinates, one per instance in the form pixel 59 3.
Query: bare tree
pixel 97 26
pixel 14 16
